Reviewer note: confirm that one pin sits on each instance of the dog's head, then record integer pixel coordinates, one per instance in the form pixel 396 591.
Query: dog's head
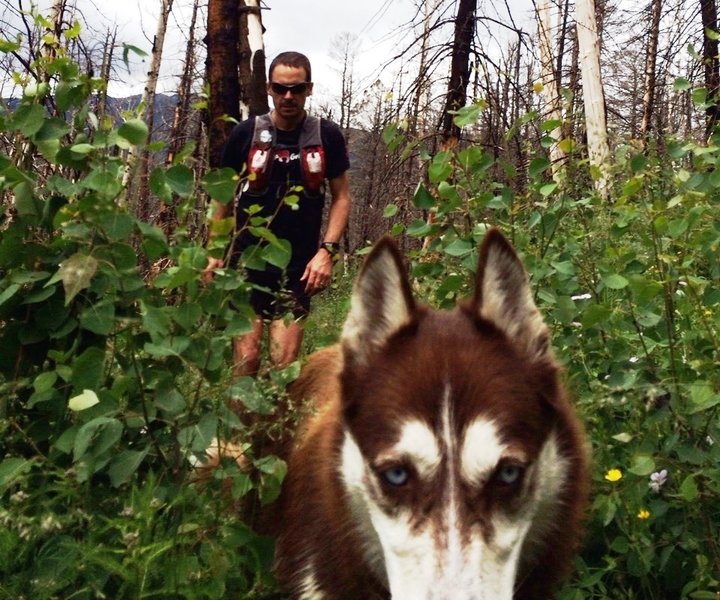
pixel 460 450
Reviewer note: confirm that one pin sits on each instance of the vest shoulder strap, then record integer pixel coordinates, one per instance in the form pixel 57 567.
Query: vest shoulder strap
pixel 310 133
pixel 263 132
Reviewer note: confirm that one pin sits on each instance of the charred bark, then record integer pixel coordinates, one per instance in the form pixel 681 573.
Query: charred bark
pixel 222 52
pixel 708 12
pixel 465 22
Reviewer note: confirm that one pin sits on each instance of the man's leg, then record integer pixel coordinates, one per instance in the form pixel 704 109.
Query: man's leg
pixel 246 351
pixel 285 341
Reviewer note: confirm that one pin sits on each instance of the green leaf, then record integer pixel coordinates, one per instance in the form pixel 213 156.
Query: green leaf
pixel 712 34
pixel 76 274
pixel 548 189
pixel 422 198
pixel 45 381
pixel 689 490
pixel 25 201
pixel 159 185
pixel 127 48
pixel 106 180
pixel 52 130
pixel 69 94
pixel 594 314
pixel 681 84
pixel 551 124
pixel 11 469
pixel 9 293
pixel 169 399
pixel 277 253
pixel 615 281
pixel 8 46
pixel 96 437
pixel 468 115
pixel 117 225
pixel 419 228
pixel 181 180
pixel 390 211
pixel 440 168
pixel 702 397
pixel 197 438
pixel 459 247
pixel 134 131
pixel 247 390
pixel 82 149
pixel 642 465
pixel 638 162
pixel 88 369
pixel 85 400
pixel 273 471
pixel 221 184
pixel 73 31
pixel 29 118
pixel 124 466
pixel 538 166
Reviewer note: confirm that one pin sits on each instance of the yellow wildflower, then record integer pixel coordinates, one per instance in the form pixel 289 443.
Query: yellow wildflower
pixel 613 475
pixel 643 514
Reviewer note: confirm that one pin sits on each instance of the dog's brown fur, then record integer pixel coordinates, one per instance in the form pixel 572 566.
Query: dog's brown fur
pixel 502 368
pixel 396 378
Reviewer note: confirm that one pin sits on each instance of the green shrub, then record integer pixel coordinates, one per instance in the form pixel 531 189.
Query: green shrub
pixel 113 374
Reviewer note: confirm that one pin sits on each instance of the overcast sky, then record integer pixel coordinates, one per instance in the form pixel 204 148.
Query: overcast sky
pixel 305 25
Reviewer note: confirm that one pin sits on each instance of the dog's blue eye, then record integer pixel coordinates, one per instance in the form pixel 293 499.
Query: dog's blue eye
pixel 509 474
pixel 396 476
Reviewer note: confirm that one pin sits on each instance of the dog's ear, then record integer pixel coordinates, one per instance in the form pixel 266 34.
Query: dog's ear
pixel 381 302
pixel 503 297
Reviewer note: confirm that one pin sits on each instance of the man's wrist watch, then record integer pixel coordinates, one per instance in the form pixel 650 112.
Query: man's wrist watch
pixel 332 248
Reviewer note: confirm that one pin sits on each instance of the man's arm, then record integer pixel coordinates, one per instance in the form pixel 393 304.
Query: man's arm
pixel 319 270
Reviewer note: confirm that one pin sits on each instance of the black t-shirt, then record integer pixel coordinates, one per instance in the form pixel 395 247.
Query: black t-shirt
pixel 301 225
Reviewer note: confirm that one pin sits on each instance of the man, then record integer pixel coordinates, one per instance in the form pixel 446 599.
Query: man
pixel 270 149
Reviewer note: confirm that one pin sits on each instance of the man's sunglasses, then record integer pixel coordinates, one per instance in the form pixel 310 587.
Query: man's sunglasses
pixel 294 89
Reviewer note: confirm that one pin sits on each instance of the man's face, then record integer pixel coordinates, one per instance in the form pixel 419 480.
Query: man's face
pixel 289 88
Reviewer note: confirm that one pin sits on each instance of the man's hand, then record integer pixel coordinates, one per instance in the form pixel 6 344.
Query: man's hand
pixel 318 272
pixel 213 263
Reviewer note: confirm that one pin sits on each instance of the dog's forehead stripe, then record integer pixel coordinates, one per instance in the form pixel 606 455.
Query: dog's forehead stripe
pixel 481 450
pixel 418 443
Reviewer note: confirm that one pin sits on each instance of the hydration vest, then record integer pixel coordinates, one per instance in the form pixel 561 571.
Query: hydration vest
pixel 261 156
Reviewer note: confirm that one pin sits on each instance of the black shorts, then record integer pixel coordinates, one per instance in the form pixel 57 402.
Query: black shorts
pixel 282 294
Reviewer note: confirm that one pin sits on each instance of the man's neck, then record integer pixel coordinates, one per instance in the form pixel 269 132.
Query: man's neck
pixel 286 124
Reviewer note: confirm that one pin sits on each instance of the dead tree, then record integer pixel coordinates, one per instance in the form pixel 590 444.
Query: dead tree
pixel 465 21
pixel 180 132
pixel 651 68
pixel 593 93
pixel 251 60
pixel 138 194
pixel 222 52
pixel 708 12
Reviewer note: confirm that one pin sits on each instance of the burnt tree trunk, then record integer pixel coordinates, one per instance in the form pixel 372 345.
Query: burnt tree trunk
pixel 650 69
pixel 222 61
pixel 708 12
pixel 465 21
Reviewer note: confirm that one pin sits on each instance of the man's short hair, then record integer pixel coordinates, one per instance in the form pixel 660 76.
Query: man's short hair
pixel 291 59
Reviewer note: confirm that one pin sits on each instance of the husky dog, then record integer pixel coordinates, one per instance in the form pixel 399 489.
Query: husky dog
pixel 442 460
